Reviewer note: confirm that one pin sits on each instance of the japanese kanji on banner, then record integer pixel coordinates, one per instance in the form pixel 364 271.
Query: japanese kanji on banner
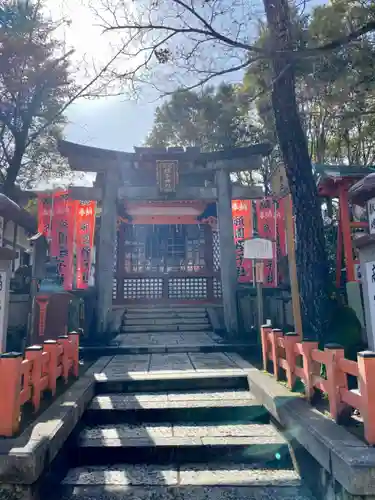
pixel 271 225
pixel 62 235
pixel 45 203
pixel 66 222
pixel 84 238
pixel 242 229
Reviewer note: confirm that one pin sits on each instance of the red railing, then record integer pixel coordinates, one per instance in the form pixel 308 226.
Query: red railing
pixel 303 360
pixel 25 380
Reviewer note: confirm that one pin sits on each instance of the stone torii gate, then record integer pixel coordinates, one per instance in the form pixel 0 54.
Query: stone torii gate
pixel 200 176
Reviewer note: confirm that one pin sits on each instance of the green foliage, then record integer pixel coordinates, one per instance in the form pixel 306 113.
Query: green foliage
pixel 335 90
pixel 214 119
pixel 34 87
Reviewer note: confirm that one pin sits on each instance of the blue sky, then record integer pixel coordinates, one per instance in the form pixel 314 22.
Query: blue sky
pixel 114 122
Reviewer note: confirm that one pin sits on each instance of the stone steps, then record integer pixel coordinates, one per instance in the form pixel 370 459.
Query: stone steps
pixel 170 309
pixel 253 492
pixel 198 406
pixel 168 382
pixel 167 443
pixel 173 328
pixel 93 352
pixel 165 315
pixel 163 321
pixel 176 427
pixel 184 475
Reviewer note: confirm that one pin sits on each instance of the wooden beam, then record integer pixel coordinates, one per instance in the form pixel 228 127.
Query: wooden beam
pixel 187 193
pixel 247 192
pixel 89 159
pixel 235 165
pixel 289 228
pixel 86 193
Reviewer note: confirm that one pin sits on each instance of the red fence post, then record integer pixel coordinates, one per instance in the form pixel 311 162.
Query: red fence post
pixel 307 347
pixel 74 340
pixel 336 379
pixel 290 340
pixel 265 330
pixel 366 380
pixel 34 354
pixel 10 388
pixel 51 347
pixel 275 334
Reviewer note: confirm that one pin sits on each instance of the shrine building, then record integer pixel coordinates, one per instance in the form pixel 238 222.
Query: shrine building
pixel 165 230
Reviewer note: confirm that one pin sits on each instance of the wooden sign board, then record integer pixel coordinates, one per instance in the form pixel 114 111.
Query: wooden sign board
pixel 258 249
pixel 167 176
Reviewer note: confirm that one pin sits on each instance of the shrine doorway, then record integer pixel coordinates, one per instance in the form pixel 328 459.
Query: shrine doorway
pixel 167 263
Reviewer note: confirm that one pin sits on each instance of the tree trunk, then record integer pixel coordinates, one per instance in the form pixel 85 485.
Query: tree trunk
pixel 311 257
pixel 13 169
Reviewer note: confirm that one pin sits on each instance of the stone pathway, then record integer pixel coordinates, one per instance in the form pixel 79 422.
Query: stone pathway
pixel 123 365
pixel 177 426
pixel 167 339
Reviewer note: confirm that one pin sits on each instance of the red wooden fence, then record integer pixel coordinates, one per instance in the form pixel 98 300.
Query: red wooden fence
pixel 25 380
pixel 303 359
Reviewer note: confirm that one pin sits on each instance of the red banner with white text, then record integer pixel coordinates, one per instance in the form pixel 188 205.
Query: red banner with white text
pixel 271 226
pixel 62 236
pixel 242 215
pixel 68 223
pixel 84 238
pixel 44 214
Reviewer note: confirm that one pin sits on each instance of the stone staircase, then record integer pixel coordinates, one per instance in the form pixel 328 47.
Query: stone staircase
pixel 172 329
pixel 166 329
pixel 165 319
pixel 175 436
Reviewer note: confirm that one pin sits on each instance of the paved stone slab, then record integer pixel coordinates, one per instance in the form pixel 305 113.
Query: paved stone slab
pixel 236 474
pixel 171 309
pixel 211 396
pixel 237 430
pixel 173 400
pixel 167 328
pixel 168 314
pixel 262 432
pixel 142 441
pixel 110 403
pixel 215 360
pixel 257 441
pixel 123 375
pixel 180 321
pixel 166 339
pixel 122 475
pixel 175 362
pixel 128 363
pixel 186 493
pixel 108 432
pixel 187 475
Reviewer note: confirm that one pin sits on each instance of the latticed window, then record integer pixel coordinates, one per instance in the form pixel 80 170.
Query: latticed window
pixel 187 288
pixel 216 250
pixel 143 288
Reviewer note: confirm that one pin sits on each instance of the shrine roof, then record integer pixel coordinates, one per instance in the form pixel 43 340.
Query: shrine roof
pixel 80 155
pixel 329 177
pixel 334 171
pixel 363 190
